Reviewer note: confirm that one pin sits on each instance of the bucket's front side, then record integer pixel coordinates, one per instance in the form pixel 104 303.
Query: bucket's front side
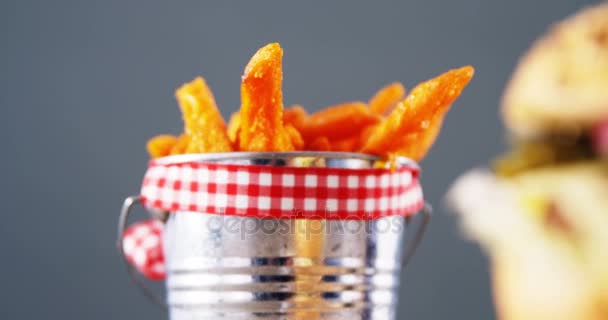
pixel 339 259
pixel 245 268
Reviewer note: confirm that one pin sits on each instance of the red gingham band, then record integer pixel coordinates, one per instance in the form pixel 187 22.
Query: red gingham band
pixel 282 192
pixel 143 248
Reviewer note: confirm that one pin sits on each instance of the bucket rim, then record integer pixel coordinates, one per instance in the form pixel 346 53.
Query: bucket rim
pixel 271 158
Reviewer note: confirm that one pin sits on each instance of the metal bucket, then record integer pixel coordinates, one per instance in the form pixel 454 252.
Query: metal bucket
pixel 221 267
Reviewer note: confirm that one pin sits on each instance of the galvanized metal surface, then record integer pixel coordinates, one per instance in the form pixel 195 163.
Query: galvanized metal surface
pixel 219 267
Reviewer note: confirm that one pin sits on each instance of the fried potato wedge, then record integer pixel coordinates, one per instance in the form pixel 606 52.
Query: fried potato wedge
pixel 295 137
pixel 386 98
pixel 414 115
pixel 296 116
pixel 182 144
pixel 339 121
pixel 161 145
pixel 416 145
pixel 366 133
pixel 350 144
pixel 261 111
pixel 319 144
pixel 203 122
pixel 388 125
pixel 234 128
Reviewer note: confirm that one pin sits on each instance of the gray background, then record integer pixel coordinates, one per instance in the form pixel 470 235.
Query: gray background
pixel 84 84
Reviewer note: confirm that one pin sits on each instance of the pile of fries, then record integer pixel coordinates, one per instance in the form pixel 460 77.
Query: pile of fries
pixel 388 125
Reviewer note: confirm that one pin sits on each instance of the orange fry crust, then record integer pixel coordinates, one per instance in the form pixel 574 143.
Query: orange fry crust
pixel 410 129
pixel 161 145
pixel 339 121
pixel 234 127
pixel 203 122
pixel 416 145
pixel 182 144
pixel 319 144
pixel 296 116
pixel 262 103
pixel 350 144
pixel 421 111
pixel 295 137
pixel 386 98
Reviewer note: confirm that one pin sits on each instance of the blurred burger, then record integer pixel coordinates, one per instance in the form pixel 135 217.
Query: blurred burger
pixel 541 212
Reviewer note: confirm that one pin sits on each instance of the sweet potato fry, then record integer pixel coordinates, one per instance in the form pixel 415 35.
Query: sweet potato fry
pixel 319 144
pixel 366 133
pixel 161 145
pixel 262 103
pixel 416 145
pixel 296 138
pixel 350 144
pixel 386 98
pixel 182 144
pixel 234 127
pixel 364 136
pixel 296 116
pixel 339 121
pixel 410 129
pixel 424 104
pixel 203 122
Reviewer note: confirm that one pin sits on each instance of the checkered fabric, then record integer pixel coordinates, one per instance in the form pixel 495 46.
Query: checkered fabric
pixel 282 192
pixel 142 245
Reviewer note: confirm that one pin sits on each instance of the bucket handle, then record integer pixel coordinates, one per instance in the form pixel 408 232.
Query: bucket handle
pixel 427 212
pixel 122 223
